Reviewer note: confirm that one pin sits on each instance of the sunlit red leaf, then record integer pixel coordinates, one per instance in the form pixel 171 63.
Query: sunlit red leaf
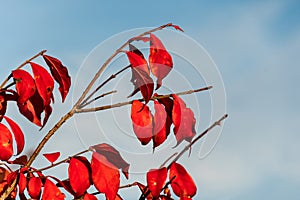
pixel 168 104
pixel 156 180
pixel 34 187
pixel 22 183
pixel 160 133
pixel 79 176
pixel 106 177
pixel 43 81
pixel 51 191
pixel 18 134
pixel 6 143
pixel 52 157
pixel 113 156
pixel 142 121
pixel 140 75
pixel 25 85
pixel 183 185
pixel 3 105
pixel 60 74
pixel 160 60
pixel 88 196
pixel 183 120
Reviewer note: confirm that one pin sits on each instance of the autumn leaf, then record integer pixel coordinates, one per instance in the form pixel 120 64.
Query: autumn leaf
pixel 18 134
pixel 22 160
pixel 88 196
pixel 22 183
pixel 25 85
pixel 52 157
pixel 160 60
pixel 156 179
pixel 183 185
pixel 168 104
pixel 160 133
pixel 183 120
pixel 142 121
pixel 79 176
pixel 177 27
pixel 6 143
pixel 3 105
pixel 60 74
pixel 32 109
pixel 140 75
pixel 106 177
pixel 43 81
pixel 51 191
pixel 113 156
pixel 34 187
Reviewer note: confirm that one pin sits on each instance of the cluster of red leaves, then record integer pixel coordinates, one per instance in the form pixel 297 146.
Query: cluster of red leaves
pixel 33 95
pixel 181 183
pixel 102 171
pixel 168 111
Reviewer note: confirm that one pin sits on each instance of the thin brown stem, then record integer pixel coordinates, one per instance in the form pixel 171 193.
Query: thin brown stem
pixel 84 103
pixel 216 123
pixel 60 162
pixel 23 64
pixel 98 97
pixel 86 110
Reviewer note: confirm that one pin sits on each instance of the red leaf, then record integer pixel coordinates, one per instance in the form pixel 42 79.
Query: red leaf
pixel 160 133
pixel 22 160
pixel 34 187
pixel 183 185
pixel 51 191
pixel 52 157
pixel 142 121
pixel 25 85
pixel 160 60
pixel 3 174
pixel 32 109
pixel 60 74
pixel 113 156
pixel 177 27
pixel 22 183
pixel 168 103
pixel 183 120
pixel 106 177
pixel 19 136
pixel 3 105
pixel 88 196
pixel 140 75
pixel 6 146
pixel 79 176
pixel 156 179
pixel 44 82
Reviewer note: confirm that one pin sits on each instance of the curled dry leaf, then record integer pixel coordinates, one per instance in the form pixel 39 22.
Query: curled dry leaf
pixel 113 156
pixel 156 179
pixel 183 185
pixel 160 60
pixel 60 74
pixel 18 134
pixel 183 120
pixel 52 157
pixel 106 177
pixel 142 121
pixel 6 143
pixel 25 85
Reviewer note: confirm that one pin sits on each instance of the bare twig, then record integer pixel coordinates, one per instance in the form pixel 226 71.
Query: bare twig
pixel 23 64
pixel 86 110
pixel 216 123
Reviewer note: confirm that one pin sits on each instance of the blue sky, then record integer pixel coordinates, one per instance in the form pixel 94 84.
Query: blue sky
pixel 255 45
